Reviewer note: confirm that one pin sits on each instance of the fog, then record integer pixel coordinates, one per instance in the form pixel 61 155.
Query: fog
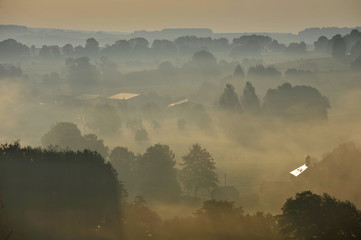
pixel 129 117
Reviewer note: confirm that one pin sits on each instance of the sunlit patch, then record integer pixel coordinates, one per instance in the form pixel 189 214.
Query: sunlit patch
pixel 178 103
pixel 124 96
pixel 299 170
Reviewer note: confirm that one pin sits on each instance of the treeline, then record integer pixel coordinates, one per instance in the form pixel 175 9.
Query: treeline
pixel 296 103
pixel 153 174
pixel 247 45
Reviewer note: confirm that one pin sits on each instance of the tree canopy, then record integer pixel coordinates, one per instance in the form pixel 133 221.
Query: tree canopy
pixel 311 216
pixel 198 170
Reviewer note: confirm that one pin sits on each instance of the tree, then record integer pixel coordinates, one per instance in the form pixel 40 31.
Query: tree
pixel 296 103
pixel 229 99
pixel 156 176
pixel 91 46
pixel 322 44
pixel 238 72
pixel 45 52
pixel 68 135
pixel 123 161
pixel 250 100
pixel 10 48
pixel 339 47
pixel 198 170
pixel 64 135
pixel 311 216
pixel 66 191
pixel 68 50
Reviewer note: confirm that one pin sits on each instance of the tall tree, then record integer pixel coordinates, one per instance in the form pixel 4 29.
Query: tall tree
pixel 156 175
pixel 229 99
pixel 198 170
pixel 249 99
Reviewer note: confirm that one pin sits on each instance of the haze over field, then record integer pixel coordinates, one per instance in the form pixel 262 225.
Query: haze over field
pixel 167 120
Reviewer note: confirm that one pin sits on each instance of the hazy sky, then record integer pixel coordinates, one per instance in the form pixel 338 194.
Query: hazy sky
pixel 219 15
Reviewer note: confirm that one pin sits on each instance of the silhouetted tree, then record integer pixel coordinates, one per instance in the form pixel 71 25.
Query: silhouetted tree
pixel 92 142
pixel 238 72
pixel 229 99
pixel 198 170
pixel 250 101
pixel 45 52
pixel 311 216
pixel 91 47
pixel 296 48
pixel 68 50
pixel 67 192
pixel 339 47
pixel 123 161
pixel 54 51
pixel 10 48
pixel 66 135
pixel 322 44
pixel 296 103
pixel 204 58
pixel 156 175
pixel 139 43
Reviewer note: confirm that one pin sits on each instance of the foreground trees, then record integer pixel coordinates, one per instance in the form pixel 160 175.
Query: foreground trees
pixel 311 216
pixel 57 194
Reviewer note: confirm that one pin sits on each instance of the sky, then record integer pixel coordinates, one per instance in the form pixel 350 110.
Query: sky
pixel 218 15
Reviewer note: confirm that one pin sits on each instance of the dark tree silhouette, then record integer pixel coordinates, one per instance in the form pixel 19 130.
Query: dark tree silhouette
pixel 339 47
pixel 68 50
pixel 229 99
pixel 91 47
pixel 45 52
pixel 64 135
pixel 311 216
pixel 322 44
pixel 156 176
pixel 67 135
pixel 10 48
pixel 66 192
pixel 296 103
pixel 123 161
pixel 249 99
pixel 204 58
pixel 198 170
